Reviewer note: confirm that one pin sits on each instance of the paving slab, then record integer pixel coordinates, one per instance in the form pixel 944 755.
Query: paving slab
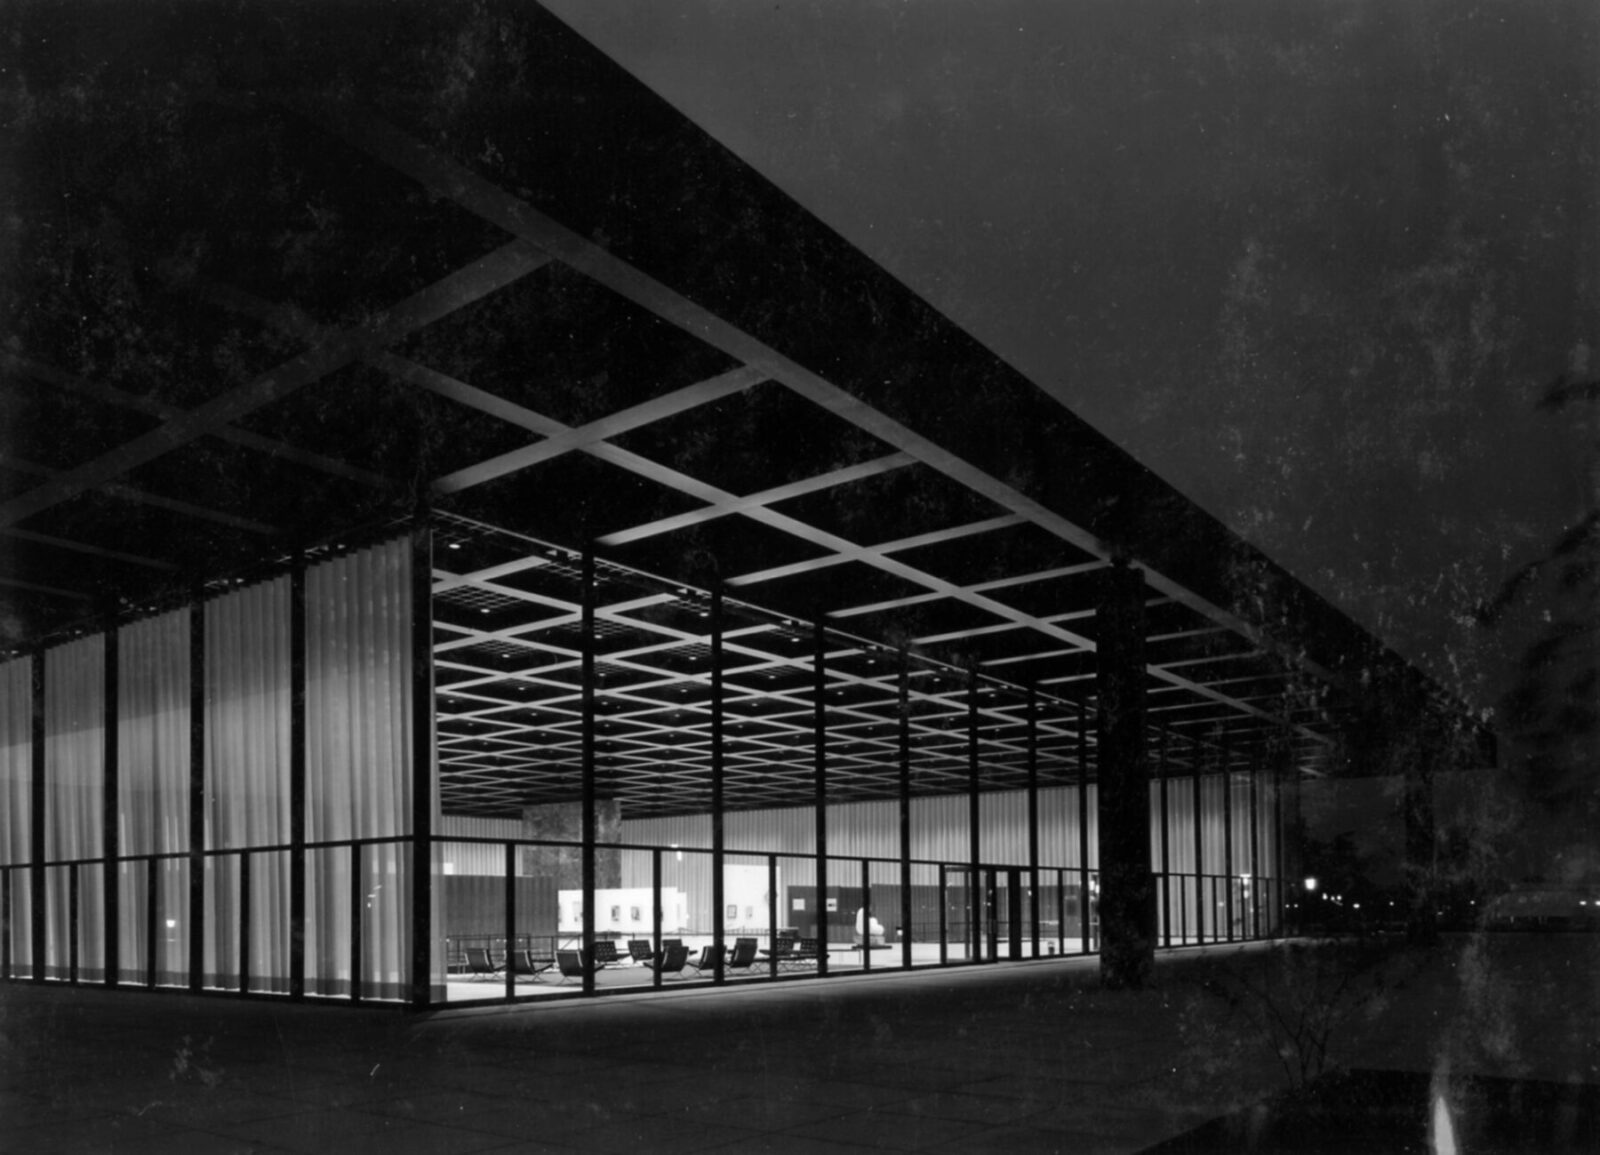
pixel 1024 1057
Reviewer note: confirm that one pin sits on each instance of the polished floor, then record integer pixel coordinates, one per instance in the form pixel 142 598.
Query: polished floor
pixel 1018 1057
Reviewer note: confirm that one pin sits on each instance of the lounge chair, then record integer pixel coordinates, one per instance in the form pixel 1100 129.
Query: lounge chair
pixel 782 951
pixel 480 965
pixel 807 950
pixel 525 964
pixel 672 960
pixel 710 956
pixel 571 964
pixel 640 950
pixel 604 954
pixel 743 956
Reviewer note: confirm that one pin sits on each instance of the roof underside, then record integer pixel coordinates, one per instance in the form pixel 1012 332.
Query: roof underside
pixel 252 308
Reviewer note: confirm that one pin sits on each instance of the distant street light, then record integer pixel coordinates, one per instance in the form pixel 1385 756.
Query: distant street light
pixel 1311 889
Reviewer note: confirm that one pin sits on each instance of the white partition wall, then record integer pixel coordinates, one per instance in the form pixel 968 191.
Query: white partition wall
pixel 153 748
pixel 16 810
pixel 281 863
pixel 247 788
pixel 74 808
pixel 358 769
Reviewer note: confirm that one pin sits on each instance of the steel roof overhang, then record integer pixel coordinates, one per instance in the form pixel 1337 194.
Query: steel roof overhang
pixel 289 271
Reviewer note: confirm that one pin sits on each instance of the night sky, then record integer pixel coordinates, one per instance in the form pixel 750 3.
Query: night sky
pixel 1314 265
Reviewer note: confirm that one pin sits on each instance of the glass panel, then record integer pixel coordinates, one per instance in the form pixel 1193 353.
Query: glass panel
pixel 751 902
pixel 262 926
pixel 1094 910
pixel 132 893
pixel 222 922
pixel 328 937
pixel 269 921
pixel 368 883
pixel 961 914
pixel 925 901
pixel 471 888
pixel 385 918
pixel 20 881
pixel 1072 920
pixel 58 922
pixel 172 922
pixel 625 924
pixel 879 934
pixel 796 914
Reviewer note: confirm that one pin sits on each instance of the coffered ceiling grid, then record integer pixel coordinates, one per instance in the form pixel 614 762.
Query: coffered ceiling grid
pixel 510 716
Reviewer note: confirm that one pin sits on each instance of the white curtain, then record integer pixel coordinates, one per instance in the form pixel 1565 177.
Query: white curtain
pixel 74 786
pixel 153 791
pixel 247 782
pixel 16 803
pixel 358 767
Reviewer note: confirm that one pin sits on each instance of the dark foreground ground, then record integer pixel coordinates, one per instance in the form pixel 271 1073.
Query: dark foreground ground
pixel 1027 1058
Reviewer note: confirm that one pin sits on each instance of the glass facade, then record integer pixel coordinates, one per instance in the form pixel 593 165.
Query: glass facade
pixel 637 785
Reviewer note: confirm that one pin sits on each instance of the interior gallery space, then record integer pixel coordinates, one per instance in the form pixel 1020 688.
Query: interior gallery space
pixel 468 537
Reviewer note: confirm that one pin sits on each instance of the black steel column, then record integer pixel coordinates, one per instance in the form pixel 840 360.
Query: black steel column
pixel 423 769
pixel 718 770
pixel 944 925
pixel 1061 911
pixel 111 812
pixel 973 813
pixel 358 904
pixel 1166 850
pixel 905 807
pixel 297 778
pixel 1280 861
pixel 1033 813
pixel 1127 890
pixel 1196 755
pixel 246 891
pixel 1227 830
pixel 655 921
pixel 1255 848
pixel 151 920
pixel 590 824
pixel 509 897
pixel 772 913
pixel 73 883
pixel 866 915
pixel 36 825
pixel 197 793
pixel 1083 825
pixel 819 737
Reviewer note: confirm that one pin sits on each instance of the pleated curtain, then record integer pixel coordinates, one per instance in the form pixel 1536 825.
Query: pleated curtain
pixel 74 805
pixel 247 692
pixel 16 804
pixel 153 744
pixel 358 769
